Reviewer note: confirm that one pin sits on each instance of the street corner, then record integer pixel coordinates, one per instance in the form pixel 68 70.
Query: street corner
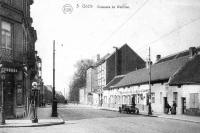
pixel 28 123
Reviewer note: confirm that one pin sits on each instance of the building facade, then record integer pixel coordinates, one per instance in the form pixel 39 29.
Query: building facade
pixel 174 79
pixel 120 62
pixel 91 85
pixel 17 55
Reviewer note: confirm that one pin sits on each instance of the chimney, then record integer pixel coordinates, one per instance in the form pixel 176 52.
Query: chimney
pixel 192 51
pixel 98 57
pixel 158 57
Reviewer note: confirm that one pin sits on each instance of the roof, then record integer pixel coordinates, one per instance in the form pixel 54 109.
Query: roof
pixel 189 74
pixel 159 72
pixel 107 56
pixel 114 81
pixel 177 55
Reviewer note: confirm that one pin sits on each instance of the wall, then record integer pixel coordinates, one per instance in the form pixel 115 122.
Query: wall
pixel 81 96
pixel 101 76
pixel 127 61
pixel 187 90
pixel 115 97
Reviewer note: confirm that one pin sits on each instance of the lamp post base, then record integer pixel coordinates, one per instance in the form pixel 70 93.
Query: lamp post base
pixel 54 108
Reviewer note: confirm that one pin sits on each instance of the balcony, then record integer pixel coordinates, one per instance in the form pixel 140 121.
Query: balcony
pixel 6 55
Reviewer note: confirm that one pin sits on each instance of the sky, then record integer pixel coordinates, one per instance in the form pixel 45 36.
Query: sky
pixel 84 28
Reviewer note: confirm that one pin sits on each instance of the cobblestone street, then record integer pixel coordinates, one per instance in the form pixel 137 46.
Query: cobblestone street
pixel 80 119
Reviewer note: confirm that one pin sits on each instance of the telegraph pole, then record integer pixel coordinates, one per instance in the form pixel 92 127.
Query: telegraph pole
pixel 149 61
pixel 54 104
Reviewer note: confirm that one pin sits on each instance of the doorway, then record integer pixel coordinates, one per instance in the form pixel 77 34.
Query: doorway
pixel 183 103
pixel 164 105
pixel 8 86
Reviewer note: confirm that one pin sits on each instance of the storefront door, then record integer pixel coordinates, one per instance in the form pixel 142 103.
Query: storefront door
pixel 9 95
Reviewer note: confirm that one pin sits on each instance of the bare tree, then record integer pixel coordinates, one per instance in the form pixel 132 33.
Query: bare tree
pixel 79 78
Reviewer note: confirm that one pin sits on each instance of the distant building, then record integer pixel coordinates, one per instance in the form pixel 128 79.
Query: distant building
pixel 120 62
pixel 18 55
pixel 91 85
pixel 81 96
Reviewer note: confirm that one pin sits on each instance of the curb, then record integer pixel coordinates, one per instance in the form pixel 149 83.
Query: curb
pixel 148 115
pixel 159 116
pixel 34 124
pixel 38 125
pixel 179 119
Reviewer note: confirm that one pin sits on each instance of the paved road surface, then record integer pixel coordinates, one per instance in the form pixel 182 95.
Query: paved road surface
pixel 87 120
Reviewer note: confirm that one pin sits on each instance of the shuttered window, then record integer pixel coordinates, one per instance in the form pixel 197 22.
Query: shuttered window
pixel 194 100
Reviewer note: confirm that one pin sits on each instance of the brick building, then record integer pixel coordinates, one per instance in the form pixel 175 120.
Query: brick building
pixel 17 55
pixel 120 62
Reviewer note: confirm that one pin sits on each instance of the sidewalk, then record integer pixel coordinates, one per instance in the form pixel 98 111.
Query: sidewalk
pixel 44 119
pixel 188 118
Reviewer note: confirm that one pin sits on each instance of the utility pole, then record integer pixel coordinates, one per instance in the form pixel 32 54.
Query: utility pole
pixel 64 92
pixel 54 104
pixel 149 62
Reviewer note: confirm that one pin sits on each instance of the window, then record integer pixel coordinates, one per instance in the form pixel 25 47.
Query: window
pixel 175 97
pixel 160 97
pixel 153 97
pixel 6 35
pixel 194 100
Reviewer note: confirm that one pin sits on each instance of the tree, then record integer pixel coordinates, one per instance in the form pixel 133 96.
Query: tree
pixel 48 95
pixel 79 78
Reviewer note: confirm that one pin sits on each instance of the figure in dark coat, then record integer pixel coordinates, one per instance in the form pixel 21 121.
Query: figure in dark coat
pixel 167 107
pixel 173 110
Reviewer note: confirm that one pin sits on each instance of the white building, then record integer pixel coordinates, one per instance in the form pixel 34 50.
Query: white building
pixel 135 86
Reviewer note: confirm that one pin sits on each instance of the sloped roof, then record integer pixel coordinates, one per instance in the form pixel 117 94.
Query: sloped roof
pixel 177 55
pixel 114 81
pixel 159 72
pixel 189 74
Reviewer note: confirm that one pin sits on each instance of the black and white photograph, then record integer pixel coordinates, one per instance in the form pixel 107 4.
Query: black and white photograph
pixel 99 66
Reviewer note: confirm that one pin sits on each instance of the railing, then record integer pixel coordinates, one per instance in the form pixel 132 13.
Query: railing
pixel 6 54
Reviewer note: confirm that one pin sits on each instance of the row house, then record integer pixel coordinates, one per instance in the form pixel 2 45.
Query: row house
pixel 120 62
pixel 174 78
pixel 17 56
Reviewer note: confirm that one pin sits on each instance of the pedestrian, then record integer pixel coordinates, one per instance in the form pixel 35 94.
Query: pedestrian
pixel 173 109
pixel 167 107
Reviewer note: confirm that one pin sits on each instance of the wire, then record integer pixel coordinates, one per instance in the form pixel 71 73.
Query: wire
pixel 127 20
pixel 174 30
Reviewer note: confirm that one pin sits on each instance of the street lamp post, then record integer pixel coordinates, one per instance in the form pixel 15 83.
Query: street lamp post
pixel 54 104
pixel 35 94
pixel 2 97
